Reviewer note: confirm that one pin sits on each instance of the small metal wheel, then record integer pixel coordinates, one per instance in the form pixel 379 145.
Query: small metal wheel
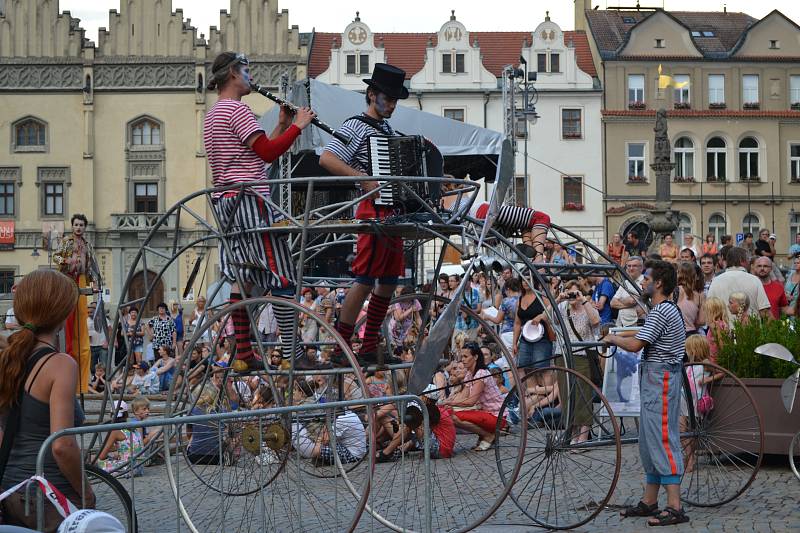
pixel 794 455
pixel 722 436
pixel 563 483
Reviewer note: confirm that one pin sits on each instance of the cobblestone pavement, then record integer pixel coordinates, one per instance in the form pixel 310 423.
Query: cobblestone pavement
pixel 317 504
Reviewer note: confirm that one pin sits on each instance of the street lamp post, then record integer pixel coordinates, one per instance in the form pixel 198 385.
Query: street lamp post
pixel 529 99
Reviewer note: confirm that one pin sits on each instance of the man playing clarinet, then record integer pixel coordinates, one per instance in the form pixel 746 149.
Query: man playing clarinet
pixel 379 259
pixel 238 150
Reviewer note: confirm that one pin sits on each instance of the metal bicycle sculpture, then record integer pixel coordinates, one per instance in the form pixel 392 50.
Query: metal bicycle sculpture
pixel 539 467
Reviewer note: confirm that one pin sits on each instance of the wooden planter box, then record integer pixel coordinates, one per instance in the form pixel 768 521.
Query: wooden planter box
pixel 779 426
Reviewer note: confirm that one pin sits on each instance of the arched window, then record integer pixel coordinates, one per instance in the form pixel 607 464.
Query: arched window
pixel 145 133
pixel 748 159
pixel 684 228
pixel 751 224
pixel 30 134
pixel 716 153
pixel 684 159
pixel 717 226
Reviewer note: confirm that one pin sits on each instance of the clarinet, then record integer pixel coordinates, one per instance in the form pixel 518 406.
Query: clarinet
pixel 315 121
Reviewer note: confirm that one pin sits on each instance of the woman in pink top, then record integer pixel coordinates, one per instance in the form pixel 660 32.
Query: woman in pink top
pixel 483 401
pixel 690 297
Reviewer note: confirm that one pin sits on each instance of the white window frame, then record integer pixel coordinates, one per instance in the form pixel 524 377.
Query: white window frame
pixel 717 229
pixel 582 202
pixel 755 229
pixel 682 168
pixel 638 88
pixel 717 151
pixel 794 163
pixel 794 227
pixel 749 153
pixel 794 89
pixel 639 160
pixel 454 62
pixel 681 96
pixel 750 89
pixel 716 94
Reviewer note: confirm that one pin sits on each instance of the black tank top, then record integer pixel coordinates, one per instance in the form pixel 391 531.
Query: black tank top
pixel 534 309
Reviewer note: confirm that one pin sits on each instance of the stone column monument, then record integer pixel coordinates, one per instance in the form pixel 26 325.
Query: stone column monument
pixel 661 220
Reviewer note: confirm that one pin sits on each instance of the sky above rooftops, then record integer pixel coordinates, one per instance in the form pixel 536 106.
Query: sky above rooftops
pixel 419 15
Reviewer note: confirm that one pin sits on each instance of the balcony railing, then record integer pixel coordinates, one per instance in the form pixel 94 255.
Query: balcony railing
pixel 139 221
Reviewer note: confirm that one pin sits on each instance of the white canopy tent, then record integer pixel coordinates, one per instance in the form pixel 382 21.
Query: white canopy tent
pixel 461 144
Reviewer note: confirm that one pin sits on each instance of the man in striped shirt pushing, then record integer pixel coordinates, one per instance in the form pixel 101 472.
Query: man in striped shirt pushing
pixel 663 339
pixel 238 149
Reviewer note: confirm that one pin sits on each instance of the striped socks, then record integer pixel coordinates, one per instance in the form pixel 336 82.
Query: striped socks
pixel 287 328
pixel 241 329
pixel 376 313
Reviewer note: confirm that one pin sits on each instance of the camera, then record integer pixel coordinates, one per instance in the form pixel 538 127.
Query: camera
pixel 572 295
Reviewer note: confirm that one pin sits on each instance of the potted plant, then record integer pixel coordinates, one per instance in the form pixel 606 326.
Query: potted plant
pixel 717 105
pixel 763 376
pixel 716 179
pixel 637 179
pixel 637 105
pixel 795 106
pixel 684 179
pixel 751 179
pixel 683 105
pixel 751 105
pixel 573 206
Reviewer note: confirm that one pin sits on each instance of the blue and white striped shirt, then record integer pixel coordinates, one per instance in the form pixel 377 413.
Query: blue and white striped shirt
pixel 664 333
pixel 356 152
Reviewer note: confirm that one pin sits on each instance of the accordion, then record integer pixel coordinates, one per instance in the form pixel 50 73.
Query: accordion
pixel 404 156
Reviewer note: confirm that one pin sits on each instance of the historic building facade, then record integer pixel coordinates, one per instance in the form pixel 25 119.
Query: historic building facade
pixel 733 113
pixel 114 130
pixel 456 73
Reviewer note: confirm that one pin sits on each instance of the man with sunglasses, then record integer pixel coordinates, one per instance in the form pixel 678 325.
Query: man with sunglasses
pixel 379 259
pixel 238 149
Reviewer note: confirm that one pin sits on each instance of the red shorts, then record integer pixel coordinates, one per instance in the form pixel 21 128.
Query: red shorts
pixel 483 419
pixel 377 256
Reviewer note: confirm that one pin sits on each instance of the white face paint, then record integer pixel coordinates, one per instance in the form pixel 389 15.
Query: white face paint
pixel 385 105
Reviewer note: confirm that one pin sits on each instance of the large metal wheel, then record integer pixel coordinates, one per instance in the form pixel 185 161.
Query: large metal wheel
pixel 723 438
pixel 252 468
pixel 563 483
pixel 794 455
pixel 466 490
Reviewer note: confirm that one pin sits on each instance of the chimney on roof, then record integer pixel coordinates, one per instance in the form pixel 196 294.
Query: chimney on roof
pixel 452 14
pixel 581 7
pixel 358 19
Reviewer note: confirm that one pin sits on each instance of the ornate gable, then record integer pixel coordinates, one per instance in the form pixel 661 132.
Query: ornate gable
pixel 37 29
pixel 772 36
pixel 146 28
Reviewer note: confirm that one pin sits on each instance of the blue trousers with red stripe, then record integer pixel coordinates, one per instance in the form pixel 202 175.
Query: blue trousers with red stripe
pixel 659 430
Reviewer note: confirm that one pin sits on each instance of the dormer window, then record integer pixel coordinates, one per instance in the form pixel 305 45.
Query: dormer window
pixel 628 20
pixel 360 61
pixel 660 43
pixel 708 34
pixel 774 44
pixel 452 63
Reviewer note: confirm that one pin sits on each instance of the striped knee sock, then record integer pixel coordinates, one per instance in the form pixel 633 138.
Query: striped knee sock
pixel 376 313
pixel 287 328
pixel 241 329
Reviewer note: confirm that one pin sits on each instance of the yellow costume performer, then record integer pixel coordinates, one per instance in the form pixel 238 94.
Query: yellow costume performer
pixel 72 258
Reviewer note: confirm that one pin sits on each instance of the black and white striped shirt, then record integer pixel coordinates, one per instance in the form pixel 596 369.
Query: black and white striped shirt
pixel 664 333
pixel 356 153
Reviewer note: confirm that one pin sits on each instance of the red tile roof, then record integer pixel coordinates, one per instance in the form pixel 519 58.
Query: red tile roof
pixel 407 50
pixel 703 113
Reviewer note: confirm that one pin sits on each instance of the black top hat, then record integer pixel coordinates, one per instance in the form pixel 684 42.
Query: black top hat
pixel 388 80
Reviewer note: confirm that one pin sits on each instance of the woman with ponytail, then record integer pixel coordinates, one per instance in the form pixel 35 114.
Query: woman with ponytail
pixel 37 398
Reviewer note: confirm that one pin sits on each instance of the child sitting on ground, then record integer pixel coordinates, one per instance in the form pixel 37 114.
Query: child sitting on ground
pixel 412 434
pixel 140 406
pixel 98 382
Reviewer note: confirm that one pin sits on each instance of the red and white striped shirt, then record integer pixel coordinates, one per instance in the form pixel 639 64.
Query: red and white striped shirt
pixel 227 126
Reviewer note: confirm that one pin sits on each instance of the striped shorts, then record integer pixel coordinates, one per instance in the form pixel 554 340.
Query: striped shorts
pixel 260 258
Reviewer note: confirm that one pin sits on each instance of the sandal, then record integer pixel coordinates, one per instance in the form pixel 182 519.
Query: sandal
pixel 640 509
pixel 669 517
